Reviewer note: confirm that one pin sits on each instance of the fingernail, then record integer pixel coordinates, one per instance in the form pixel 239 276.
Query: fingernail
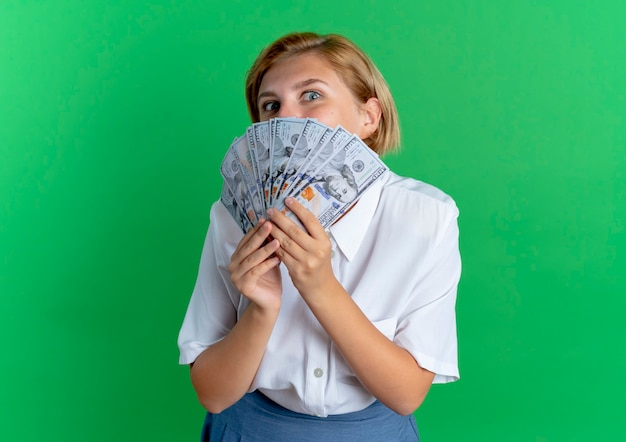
pixel 288 200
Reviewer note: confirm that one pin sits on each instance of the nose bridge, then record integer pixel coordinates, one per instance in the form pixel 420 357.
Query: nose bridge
pixel 288 109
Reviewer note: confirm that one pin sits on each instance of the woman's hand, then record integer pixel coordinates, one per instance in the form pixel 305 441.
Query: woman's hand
pixel 305 254
pixel 254 269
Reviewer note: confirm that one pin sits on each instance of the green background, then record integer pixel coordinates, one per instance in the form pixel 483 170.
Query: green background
pixel 114 117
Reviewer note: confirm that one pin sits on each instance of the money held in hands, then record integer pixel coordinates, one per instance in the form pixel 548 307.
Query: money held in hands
pixel 325 169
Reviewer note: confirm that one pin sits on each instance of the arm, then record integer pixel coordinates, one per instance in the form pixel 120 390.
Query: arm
pixel 223 373
pixel 388 371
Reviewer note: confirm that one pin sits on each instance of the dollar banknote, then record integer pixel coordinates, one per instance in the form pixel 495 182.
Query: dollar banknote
pixel 325 168
pixel 338 182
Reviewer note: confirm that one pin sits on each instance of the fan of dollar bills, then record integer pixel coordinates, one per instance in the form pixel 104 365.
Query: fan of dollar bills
pixel 326 169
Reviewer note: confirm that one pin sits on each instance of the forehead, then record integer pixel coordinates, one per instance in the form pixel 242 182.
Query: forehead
pixel 298 68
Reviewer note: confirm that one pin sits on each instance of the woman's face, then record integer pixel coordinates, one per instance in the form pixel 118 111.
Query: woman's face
pixel 307 86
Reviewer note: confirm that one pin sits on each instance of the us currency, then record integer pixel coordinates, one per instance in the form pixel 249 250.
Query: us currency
pixel 238 171
pixel 298 166
pixel 326 169
pixel 312 132
pixel 259 139
pixel 318 157
pixel 285 137
pixel 267 186
pixel 336 186
pixel 231 203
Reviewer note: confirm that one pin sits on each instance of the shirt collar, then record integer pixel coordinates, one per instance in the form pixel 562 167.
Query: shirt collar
pixel 350 230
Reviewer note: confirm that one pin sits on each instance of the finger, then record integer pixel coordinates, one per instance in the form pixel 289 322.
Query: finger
pixel 285 257
pixel 250 243
pixel 260 256
pixel 306 217
pixel 292 238
pixel 252 240
pixel 256 263
pixel 248 235
pixel 264 266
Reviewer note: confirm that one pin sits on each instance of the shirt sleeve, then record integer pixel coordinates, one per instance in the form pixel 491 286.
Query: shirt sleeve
pixel 212 309
pixel 428 328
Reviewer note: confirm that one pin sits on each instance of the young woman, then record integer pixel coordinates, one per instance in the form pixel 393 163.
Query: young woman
pixel 317 335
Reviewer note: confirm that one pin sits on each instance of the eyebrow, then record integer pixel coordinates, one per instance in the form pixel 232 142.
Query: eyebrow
pixel 298 85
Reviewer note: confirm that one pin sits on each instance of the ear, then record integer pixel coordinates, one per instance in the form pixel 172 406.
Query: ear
pixel 371 117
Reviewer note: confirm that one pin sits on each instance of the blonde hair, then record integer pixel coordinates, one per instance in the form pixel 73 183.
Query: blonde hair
pixel 354 67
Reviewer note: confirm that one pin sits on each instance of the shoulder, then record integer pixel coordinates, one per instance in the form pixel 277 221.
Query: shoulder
pixel 415 193
pixel 416 208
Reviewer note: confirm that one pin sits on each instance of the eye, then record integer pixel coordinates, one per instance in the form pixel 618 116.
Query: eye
pixel 311 95
pixel 270 106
